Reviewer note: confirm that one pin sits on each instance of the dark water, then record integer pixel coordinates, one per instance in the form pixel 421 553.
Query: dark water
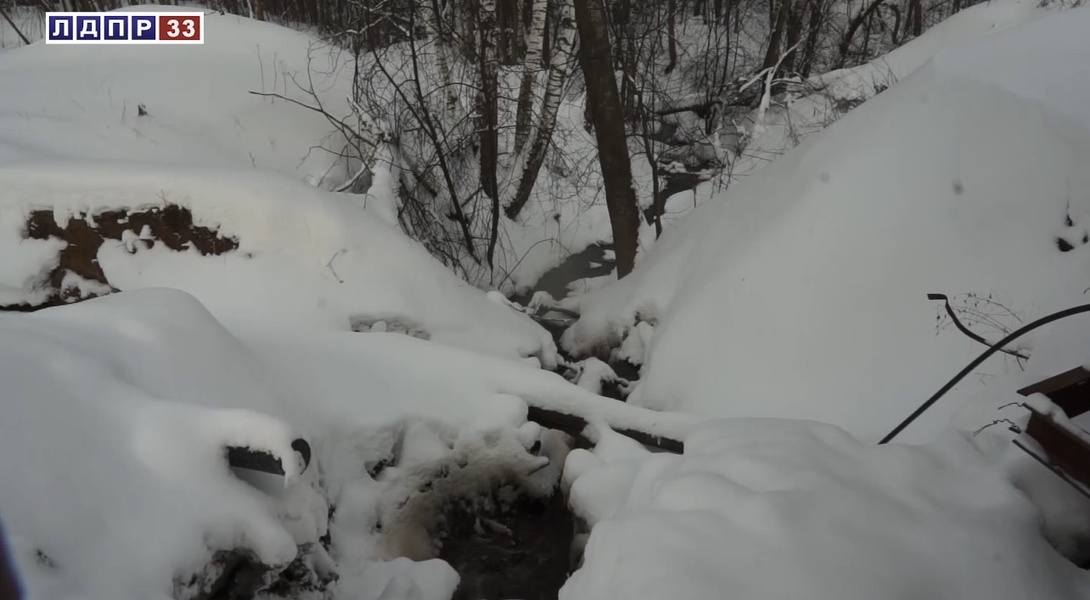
pixel 509 550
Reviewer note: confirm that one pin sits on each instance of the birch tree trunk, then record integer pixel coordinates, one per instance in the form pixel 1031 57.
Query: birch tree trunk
pixel 558 74
pixel 442 60
pixel 535 44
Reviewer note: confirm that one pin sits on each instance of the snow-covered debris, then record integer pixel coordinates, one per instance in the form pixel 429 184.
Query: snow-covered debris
pixel 305 258
pixel 803 290
pixel 789 509
pixel 119 484
pixel 118 409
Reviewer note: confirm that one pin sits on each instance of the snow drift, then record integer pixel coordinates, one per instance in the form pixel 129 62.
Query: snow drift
pixel 770 508
pixel 117 410
pixel 114 129
pixel 802 292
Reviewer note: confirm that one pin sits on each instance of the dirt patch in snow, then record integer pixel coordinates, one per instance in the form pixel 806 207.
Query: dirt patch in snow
pixel 170 225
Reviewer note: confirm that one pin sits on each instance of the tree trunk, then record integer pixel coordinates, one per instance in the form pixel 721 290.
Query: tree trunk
pixel 809 48
pixel 853 27
pixel 775 40
pixel 487 112
pixel 558 73
pixel 535 44
pixel 432 26
pixel 794 37
pixel 916 8
pixel 595 57
pixel 671 34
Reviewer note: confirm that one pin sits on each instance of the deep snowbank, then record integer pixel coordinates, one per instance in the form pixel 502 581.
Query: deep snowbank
pixel 787 509
pixel 801 292
pixel 825 98
pixel 117 410
pixel 110 473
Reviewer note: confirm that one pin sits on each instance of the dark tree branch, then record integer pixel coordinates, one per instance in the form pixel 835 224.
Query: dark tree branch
pixel 968 332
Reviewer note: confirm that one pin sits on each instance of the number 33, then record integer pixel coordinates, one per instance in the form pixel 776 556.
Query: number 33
pixel 175 31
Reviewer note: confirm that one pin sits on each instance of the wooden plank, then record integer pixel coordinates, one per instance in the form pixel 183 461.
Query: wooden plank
pixel 1057 382
pixel 1065 449
pixel 1069 390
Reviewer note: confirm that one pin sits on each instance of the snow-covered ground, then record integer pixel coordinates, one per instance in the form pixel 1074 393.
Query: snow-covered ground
pixel 73 141
pixel 802 292
pixel 117 410
pixel 799 294
pixel 809 108
pixel 767 508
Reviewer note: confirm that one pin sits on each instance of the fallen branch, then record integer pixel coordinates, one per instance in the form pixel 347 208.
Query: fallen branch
pixel 968 332
pixel 575 426
pixel 1056 316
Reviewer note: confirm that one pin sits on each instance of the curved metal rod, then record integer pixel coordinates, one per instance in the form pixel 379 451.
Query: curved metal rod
pixel 1063 314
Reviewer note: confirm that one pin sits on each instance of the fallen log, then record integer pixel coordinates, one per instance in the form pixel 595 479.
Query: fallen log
pixel 575 426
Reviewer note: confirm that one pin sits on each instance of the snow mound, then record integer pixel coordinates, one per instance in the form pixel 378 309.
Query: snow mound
pixel 117 411
pixel 115 483
pixel 116 129
pixel 963 28
pixel 305 258
pixel 802 291
pixel 789 509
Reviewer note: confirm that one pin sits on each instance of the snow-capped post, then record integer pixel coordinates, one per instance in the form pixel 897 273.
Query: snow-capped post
pixel 1052 404
pixel 595 57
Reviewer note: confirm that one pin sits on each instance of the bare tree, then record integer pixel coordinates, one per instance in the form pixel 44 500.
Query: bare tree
pixel 535 43
pixel 595 58
pixel 558 74
pixel 488 113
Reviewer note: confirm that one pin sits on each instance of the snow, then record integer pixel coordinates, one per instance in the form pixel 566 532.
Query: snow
pixel 760 138
pixel 801 292
pixel 306 258
pixel 125 402
pixel 772 508
pixel 71 140
pixel 82 102
pixel 964 28
pixel 115 476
